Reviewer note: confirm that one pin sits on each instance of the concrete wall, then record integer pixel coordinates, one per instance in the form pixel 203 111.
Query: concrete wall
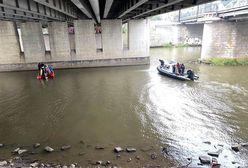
pixel 161 34
pixel 33 42
pixel 112 38
pixel 138 38
pixel 225 39
pixel 9 45
pixel 85 40
pixel 59 41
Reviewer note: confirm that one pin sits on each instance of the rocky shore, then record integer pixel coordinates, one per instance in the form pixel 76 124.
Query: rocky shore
pixel 122 157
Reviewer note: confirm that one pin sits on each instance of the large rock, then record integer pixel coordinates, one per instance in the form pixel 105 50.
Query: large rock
pixel 35 164
pixel 214 153
pixel 21 151
pixel 1 145
pixel 3 163
pixel 48 149
pixel 99 147
pixel 131 150
pixel 205 159
pixel 118 149
pixel 36 145
pixel 236 147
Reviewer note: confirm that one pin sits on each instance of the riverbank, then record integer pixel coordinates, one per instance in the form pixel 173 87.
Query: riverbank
pixel 226 61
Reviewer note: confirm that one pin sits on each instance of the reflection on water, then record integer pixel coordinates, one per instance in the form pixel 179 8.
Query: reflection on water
pixel 129 106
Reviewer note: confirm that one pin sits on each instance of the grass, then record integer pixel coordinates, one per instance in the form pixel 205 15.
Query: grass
pixel 228 61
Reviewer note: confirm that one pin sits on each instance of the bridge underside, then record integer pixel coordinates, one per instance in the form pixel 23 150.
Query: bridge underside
pixel 69 10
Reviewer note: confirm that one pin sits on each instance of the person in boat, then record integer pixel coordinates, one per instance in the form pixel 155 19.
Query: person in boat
pixel 161 62
pixel 173 68
pixel 178 67
pixel 40 68
pixel 182 69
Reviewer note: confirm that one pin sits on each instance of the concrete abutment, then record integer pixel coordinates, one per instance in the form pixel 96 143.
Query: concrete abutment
pixel 60 45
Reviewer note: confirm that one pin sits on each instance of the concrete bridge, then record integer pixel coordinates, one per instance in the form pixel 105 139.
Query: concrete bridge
pixel 78 33
pixel 221 29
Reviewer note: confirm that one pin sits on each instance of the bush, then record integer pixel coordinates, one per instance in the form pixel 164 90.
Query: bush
pixel 229 61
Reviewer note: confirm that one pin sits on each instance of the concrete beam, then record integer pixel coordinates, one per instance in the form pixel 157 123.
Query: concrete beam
pixel 158 8
pixel 96 9
pixel 107 8
pixel 82 8
pixel 141 2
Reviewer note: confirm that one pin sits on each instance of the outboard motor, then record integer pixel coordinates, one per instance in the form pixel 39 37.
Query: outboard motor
pixel 190 74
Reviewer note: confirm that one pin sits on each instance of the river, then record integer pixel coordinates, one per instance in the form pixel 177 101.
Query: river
pixel 129 106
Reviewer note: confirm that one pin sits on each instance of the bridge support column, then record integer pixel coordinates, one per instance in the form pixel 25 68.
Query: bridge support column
pixel 85 39
pixel 59 41
pixel 33 42
pixel 112 38
pixel 9 45
pixel 139 38
pixel 224 39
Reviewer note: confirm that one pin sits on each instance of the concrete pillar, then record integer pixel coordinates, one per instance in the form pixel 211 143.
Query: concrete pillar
pixel 112 38
pixel 224 39
pixel 33 42
pixel 9 45
pixel 139 38
pixel 85 40
pixel 59 41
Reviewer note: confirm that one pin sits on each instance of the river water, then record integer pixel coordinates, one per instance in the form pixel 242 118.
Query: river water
pixel 129 107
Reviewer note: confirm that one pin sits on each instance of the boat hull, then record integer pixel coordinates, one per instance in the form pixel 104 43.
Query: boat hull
pixel 172 75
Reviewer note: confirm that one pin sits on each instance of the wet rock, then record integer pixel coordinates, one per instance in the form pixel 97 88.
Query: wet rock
pixel 72 166
pixel 99 162
pixel 81 153
pixel 205 159
pixel 108 162
pixel 36 145
pixel 129 159
pixel 98 147
pixel 236 147
pixel 137 157
pixel 207 142
pixel 16 150
pixel 1 145
pixel 3 163
pixel 214 160
pixel 64 166
pixel 221 145
pixel 244 144
pixel 118 149
pixel 131 150
pixel 215 154
pixel 146 149
pixel 154 156
pixel 65 147
pixel 35 164
pixel 48 149
pixel 21 151
pixel 118 156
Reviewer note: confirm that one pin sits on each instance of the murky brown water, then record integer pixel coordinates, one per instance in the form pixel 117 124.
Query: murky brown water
pixel 128 106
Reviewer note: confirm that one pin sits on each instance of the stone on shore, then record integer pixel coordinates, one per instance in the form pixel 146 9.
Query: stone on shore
pixel 21 151
pixel 98 147
pixel 35 164
pixel 118 149
pixel 48 149
pixel 236 147
pixel 205 159
pixel 99 162
pixel 1 145
pixel 3 163
pixel 36 145
pixel 207 142
pixel 131 150
pixel 65 147
pixel 215 154
pixel 244 144
pixel 16 150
